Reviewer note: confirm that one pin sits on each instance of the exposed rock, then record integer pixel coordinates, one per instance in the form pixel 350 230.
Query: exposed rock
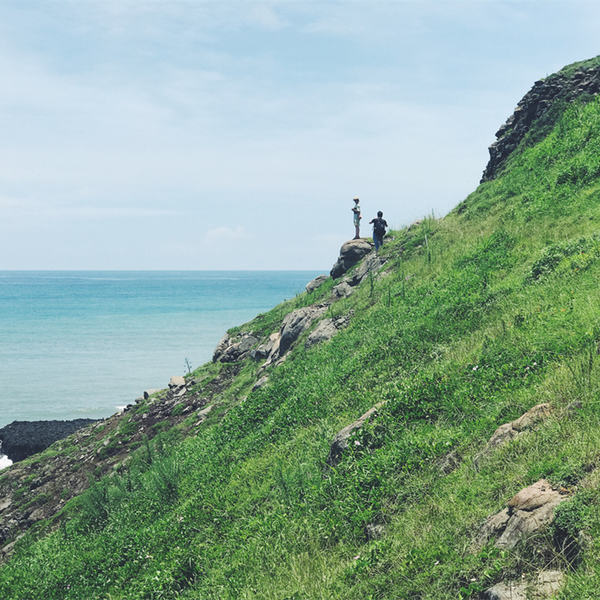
pixel 239 350
pixel 21 439
pixel 260 383
pixel 508 431
pixel 221 347
pixel 148 393
pixel 293 326
pixel 530 509
pixel 324 331
pixel 263 351
pixel 535 105
pixel 176 382
pixel 371 263
pixel 327 328
pixel 316 283
pixel 350 253
pixel 340 441
pixel 341 290
pixel 541 587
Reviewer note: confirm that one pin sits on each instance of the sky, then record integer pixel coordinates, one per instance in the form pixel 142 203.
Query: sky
pixel 178 135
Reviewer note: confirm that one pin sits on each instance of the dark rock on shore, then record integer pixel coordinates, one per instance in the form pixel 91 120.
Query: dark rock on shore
pixel 21 439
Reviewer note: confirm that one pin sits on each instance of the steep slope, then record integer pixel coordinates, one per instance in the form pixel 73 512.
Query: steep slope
pixel 475 338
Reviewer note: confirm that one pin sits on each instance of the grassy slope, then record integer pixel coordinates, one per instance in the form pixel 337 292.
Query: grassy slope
pixel 499 311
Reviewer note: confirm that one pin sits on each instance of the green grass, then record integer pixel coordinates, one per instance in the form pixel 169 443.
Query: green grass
pixel 498 311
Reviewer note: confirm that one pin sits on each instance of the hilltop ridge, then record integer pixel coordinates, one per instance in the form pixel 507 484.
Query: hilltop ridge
pixel 537 112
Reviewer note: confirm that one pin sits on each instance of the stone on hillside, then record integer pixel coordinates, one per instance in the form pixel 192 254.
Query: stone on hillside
pixel 260 383
pixel 323 332
pixel 341 290
pixel 238 351
pixel 541 587
pixel 294 325
pixel 326 329
pixel 148 393
pixel 350 253
pixel 529 510
pixel 221 347
pixel 508 431
pixel 263 351
pixel 176 382
pixel 371 263
pixel 340 441
pixel 316 283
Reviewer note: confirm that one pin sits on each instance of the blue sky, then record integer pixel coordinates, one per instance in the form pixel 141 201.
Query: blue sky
pixel 234 135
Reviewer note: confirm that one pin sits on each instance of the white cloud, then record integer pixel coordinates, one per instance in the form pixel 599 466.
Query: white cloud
pixel 225 235
pixel 129 121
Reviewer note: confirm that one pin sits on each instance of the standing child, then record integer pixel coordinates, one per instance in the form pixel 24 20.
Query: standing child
pixel 379 226
pixel 357 217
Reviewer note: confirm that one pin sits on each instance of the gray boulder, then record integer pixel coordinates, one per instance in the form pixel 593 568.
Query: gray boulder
pixel 508 431
pixel 543 586
pixel 326 329
pixel 260 383
pixel 221 347
pixel 341 290
pixel 176 382
pixel 340 441
pixel 372 263
pixel 263 351
pixel 295 324
pixel 350 253
pixel 239 350
pixel 316 283
pixel 528 511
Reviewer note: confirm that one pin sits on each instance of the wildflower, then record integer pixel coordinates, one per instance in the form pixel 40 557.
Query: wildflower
pixel 475 367
pixel 437 562
pixel 357 557
pixel 356 443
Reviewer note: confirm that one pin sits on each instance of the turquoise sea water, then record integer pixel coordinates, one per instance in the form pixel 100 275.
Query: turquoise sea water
pixel 82 344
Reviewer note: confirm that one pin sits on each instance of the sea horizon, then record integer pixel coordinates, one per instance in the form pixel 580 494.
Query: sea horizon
pixel 85 343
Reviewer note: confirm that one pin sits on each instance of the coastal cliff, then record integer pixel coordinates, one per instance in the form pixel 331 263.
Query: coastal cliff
pixel 420 423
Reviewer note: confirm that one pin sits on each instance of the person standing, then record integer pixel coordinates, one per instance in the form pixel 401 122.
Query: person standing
pixel 379 227
pixel 357 217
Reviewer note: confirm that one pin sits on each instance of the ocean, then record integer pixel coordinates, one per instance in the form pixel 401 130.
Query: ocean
pixel 82 344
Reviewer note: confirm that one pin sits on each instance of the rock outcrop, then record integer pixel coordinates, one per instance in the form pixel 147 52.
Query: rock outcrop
pixel 508 431
pixel 316 283
pixel 350 253
pixel 293 326
pixel 340 441
pixel 543 586
pixel 529 510
pixel 372 263
pixel 233 349
pixel 536 105
pixel 327 328
pixel 21 439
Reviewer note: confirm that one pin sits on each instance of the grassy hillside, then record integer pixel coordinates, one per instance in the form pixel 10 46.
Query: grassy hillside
pixel 474 319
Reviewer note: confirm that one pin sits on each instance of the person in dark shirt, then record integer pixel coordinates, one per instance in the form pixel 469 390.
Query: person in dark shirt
pixel 379 227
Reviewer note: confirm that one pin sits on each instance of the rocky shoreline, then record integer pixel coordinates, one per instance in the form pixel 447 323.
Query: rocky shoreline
pixel 21 439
